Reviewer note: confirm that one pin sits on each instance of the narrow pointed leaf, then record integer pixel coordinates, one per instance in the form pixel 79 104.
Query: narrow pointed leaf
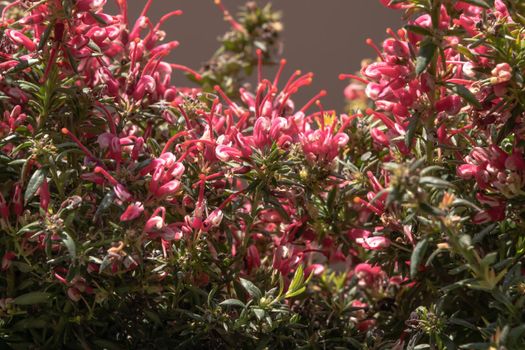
pixel 32 298
pixel 70 244
pixel 417 254
pixel 480 3
pixel 251 289
pixel 465 93
pixel 425 56
pixel 34 183
pixel 232 302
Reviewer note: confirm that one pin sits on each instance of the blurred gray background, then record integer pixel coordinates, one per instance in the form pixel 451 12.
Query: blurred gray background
pixel 326 37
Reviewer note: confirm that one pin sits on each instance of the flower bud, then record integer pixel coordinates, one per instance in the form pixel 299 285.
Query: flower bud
pixel 20 39
pixel 501 74
pixel 17 202
pixel 132 212
pixel 213 220
pixel 225 153
pixel 6 260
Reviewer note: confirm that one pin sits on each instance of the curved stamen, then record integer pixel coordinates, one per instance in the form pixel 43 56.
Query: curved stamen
pixel 354 77
pixel 308 104
pixel 371 43
pixel 359 200
pixel 84 149
pixel 227 17
pixel 187 70
pixel 279 72
pixel 172 139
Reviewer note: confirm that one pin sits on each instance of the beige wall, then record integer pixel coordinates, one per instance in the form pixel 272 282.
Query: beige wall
pixel 323 36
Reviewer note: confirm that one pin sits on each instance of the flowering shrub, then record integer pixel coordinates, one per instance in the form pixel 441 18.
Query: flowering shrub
pixel 135 213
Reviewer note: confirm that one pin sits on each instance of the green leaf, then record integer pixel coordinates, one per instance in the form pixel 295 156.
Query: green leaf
pixel 34 183
pixel 449 344
pixel 93 46
pixel 425 56
pixel 259 313
pixel 412 127
pixel 22 146
pixel 433 255
pixel 465 94
pixel 32 298
pixel 72 60
pixel 418 30
pixel 297 280
pixel 431 210
pixel 456 285
pixel 31 323
pixel 509 125
pixel 104 205
pixel 98 18
pixel 105 263
pixel 251 289
pixel 69 243
pixel 45 36
pixel 516 335
pixel 29 228
pixel 480 3
pixel 417 254
pixel 463 323
pixel 475 346
pixel 106 344
pixel 430 169
pixel 489 259
pixel 154 317
pixel 232 302
pixel 435 182
pixel 291 294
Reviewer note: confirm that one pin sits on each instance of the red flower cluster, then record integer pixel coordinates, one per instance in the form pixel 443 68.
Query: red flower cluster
pixel 120 188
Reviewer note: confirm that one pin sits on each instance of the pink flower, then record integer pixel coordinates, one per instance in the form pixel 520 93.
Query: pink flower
pixel 365 325
pixel 213 220
pixel 388 3
pixel 43 193
pixel 177 169
pixel 367 241
pixel 17 201
pixel 394 47
pixel 132 212
pixel 494 212
pixel 121 192
pixel 226 153
pixel 356 233
pixel 20 39
pixel 32 19
pixel 90 5
pixel 515 162
pixel 154 224
pixel 169 188
pixel 74 294
pixel 253 259
pixel 172 233
pixel 104 139
pixel 501 73
pixel 373 243
pixel 369 276
pixel 450 104
pixel 145 85
pixel 467 171
pixel 322 145
pixel 315 269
